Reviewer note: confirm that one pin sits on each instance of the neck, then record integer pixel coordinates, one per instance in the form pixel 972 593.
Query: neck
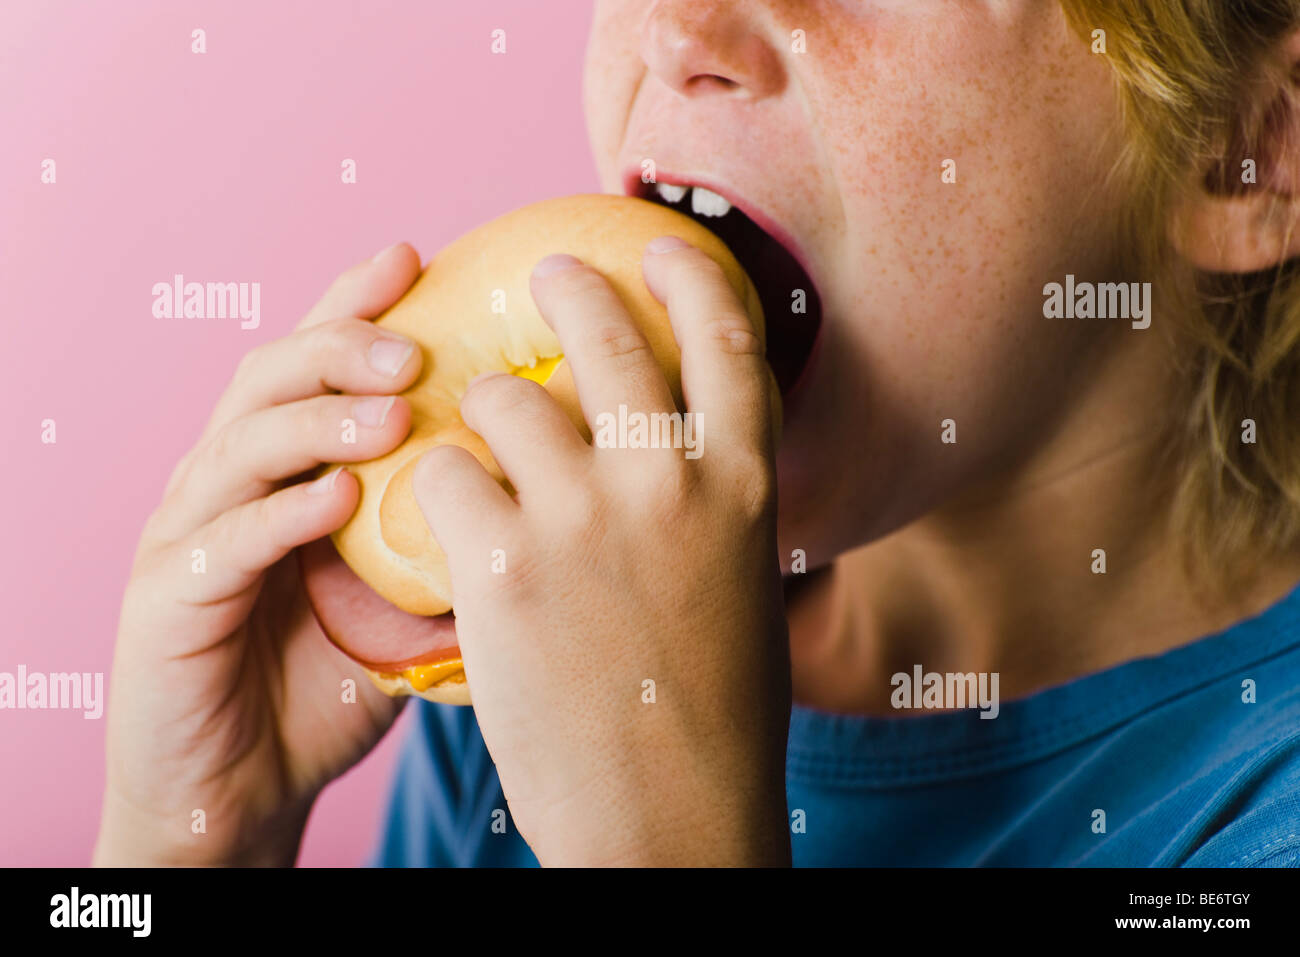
pixel 1007 578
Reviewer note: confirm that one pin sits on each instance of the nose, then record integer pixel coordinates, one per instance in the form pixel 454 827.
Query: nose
pixel 710 47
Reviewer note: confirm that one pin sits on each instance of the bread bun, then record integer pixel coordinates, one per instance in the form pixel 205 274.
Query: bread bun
pixel 471 311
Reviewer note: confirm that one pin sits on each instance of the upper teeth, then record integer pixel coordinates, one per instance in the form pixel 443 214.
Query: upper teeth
pixel 673 194
pixel 704 202
pixel 708 203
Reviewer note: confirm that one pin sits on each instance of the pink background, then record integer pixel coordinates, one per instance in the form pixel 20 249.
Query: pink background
pixel 223 166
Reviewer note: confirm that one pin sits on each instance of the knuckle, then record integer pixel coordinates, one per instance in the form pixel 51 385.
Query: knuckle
pixel 344 281
pixel 676 486
pixel 702 267
pixel 580 509
pixel 231 527
pixel 440 464
pixel 729 326
pixel 254 521
pixel 331 337
pixel 734 334
pixel 246 369
pixel 222 445
pixel 179 473
pixel 754 486
pixel 445 477
pixel 248 531
pixel 501 395
pixel 523 573
pixel 241 533
pixel 620 342
pixel 580 282
pixel 321 419
pixel 739 341
pixel 440 458
pixel 623 346
pixel 154 533
pixel 271 516
pixel 146 569
pixel 222 459
pixel 667 487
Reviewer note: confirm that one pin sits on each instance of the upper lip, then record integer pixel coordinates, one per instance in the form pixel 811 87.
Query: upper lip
pixel 633 186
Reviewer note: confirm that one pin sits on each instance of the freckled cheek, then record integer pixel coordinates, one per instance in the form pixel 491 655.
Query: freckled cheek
pixel 949 295
pixel 929 245
pixel 611 71
pixel 953 322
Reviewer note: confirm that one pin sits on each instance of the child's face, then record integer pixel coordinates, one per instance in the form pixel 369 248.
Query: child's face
pixel 932 292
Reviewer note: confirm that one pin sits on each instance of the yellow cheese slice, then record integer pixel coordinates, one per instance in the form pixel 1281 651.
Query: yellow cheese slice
pixel 542 370
pixel 424 677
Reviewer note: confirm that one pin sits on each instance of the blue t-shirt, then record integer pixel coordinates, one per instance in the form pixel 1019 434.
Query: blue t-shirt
pixel 1189 758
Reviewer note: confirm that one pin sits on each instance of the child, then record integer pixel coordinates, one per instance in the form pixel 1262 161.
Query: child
pixel 1095 520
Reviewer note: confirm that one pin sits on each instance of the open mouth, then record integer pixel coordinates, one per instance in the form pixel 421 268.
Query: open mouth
pixel 792 309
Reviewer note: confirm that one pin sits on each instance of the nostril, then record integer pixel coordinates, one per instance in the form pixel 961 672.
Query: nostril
pixel 710 82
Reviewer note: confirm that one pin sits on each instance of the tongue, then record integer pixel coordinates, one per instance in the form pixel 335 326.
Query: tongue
pixel 364 626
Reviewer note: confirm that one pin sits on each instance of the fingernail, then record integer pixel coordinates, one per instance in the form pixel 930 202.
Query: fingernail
pixel 665 244
pixel 388 356
pixel 372 411
pixel 383 253
pixel 555 263
pixel 324 483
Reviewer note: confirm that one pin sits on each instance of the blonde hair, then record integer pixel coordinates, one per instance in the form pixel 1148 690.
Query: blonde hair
pixel 1189 76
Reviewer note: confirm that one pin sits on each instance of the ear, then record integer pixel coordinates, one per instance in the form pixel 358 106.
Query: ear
pixel 1231 221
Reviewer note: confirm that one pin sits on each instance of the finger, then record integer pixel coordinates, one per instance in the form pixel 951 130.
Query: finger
pixel 343 355
pixel 611 360
pixel 529 435
pixel 466 509
pixel 368 288
pixel 225 558
pixel 252 455
pixel 725 379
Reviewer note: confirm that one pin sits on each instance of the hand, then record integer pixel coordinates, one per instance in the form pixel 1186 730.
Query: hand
pixel 226 697
pixel 625 566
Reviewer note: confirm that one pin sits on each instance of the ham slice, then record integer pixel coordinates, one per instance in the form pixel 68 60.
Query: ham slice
pixel 363 625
